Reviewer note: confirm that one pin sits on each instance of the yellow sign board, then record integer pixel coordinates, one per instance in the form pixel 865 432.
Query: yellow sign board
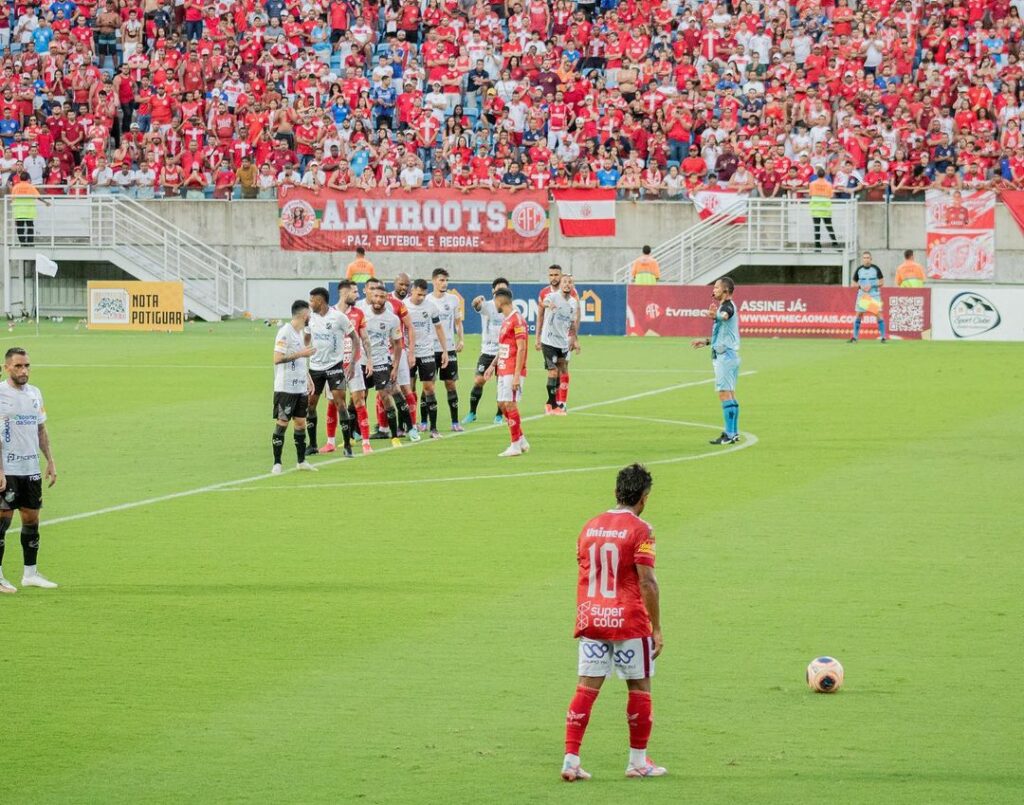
pixel 136 306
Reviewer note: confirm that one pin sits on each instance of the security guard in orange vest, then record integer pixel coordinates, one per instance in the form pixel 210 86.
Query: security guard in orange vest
pixel 645 270
pixel 821 208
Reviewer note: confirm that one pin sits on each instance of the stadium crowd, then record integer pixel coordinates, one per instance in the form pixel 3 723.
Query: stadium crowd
pixel 657 98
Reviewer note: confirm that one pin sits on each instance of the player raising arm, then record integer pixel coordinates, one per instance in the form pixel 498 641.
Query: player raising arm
pixel 513 347
pixel 618 621
pixel 490 326
pixel 292 384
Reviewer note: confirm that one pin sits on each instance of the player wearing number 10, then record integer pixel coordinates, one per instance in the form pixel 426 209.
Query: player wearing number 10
pixel 618 621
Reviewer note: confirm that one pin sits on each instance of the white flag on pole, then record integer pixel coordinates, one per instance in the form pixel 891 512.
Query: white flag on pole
pixel 45 266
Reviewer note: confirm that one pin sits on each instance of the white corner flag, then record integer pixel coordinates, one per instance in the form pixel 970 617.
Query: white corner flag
pixel 45 266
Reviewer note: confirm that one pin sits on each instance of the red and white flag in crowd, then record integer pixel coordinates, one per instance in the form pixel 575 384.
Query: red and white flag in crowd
pixel 712 202
pixel 585 213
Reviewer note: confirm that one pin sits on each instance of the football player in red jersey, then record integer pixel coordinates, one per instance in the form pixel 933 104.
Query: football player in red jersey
pixel 618 620
pixel 510 364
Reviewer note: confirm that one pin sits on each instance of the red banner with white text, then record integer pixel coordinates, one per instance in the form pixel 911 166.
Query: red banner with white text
pixel 426 220
pixel 789 311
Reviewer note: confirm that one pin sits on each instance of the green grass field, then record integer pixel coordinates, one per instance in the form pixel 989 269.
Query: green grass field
pixel 397 628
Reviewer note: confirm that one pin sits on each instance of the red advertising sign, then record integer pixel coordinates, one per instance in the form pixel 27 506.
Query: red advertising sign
pixel 427 220
pixel 791 311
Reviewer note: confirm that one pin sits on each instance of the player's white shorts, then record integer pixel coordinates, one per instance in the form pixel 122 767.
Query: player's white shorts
pixel 404 378
pixel 358 381
pixel 505 389
pixel 632 659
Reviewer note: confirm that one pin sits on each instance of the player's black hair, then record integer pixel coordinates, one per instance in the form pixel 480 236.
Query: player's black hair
pixel 298 306
pixel 345 285
pixel 323 293
pixel 504 293
pixel 438 272
pixel 646 249
pixel 14 351
pixel 631 484
pixel 421 284
pixel 730 286
pixel 555 267
pixel 908 254
pixel 499 281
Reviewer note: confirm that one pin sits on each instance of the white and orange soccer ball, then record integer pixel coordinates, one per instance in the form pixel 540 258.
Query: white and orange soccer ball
pixel 825 675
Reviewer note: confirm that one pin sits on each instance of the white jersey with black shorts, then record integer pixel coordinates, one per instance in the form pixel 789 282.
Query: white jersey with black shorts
pixel 383 329
pixel 424 317
pixel 490 326
pixel 559 318
pixel 329 332
pixel 291 378
pixel 450 311
pixel 21 414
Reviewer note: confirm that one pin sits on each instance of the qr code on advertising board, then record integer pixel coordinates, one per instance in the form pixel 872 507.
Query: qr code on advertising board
pixel 906 314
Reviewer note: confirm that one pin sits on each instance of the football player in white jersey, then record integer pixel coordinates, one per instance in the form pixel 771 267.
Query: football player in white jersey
pixel 292 384
pixel 426 320
pixel 558 337
pixel 23 436
pixel 400 296
pixel 353 419
pixel 451 319
pixel 384 330
pixel 490 325
pixel 329 328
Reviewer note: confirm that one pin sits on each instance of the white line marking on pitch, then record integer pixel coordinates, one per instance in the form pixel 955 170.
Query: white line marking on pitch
pixel 263 476
pixel 268 368
pixel 749 440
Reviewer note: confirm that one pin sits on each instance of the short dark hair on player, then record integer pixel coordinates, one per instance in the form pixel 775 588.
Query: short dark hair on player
pixel 345 285
pixel 555 267
pixel 504 293
pixel 728 284
pixel 631 484
pixel 500 281
pixel 421 284
pixel 323 293
pixel 14 351
pixel 438 272
pixel 298 306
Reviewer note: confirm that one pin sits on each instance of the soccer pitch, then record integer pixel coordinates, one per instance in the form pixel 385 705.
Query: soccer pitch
pixel 398 627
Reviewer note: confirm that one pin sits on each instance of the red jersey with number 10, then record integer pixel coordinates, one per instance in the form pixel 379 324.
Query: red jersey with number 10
pixel 513 330
pixel 609 605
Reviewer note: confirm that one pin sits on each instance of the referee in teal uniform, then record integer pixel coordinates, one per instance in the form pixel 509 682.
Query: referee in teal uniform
pixel 725 356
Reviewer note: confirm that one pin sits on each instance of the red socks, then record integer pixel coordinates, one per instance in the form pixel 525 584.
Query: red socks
pixel 410 400
pixel 563 389
pixel 578 717
pixel 382 417
pixel 515 423
pixel 364 422
pixel 332 419
pixel 638 714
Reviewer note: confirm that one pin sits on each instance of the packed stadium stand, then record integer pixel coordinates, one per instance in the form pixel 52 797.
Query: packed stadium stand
pixel 169 98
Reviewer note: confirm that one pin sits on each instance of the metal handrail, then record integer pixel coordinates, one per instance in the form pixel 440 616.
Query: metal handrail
pixel 165 251
pixel 777 225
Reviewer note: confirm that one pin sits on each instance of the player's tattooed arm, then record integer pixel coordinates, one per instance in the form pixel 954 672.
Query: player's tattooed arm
pixel 44 446
pixel 652 602
pixel 477 303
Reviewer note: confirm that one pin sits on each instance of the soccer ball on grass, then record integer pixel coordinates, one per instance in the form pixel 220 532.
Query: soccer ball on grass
pixel 825 675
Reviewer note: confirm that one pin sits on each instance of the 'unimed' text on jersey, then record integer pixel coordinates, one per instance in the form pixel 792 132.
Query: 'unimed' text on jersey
pixel 609 605
pixel 513 330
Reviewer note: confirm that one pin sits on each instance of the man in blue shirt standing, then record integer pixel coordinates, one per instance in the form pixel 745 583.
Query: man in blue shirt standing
pixel 609 175
pixel 725 356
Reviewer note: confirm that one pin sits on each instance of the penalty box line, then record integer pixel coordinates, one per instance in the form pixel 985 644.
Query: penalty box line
pixel 70 518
